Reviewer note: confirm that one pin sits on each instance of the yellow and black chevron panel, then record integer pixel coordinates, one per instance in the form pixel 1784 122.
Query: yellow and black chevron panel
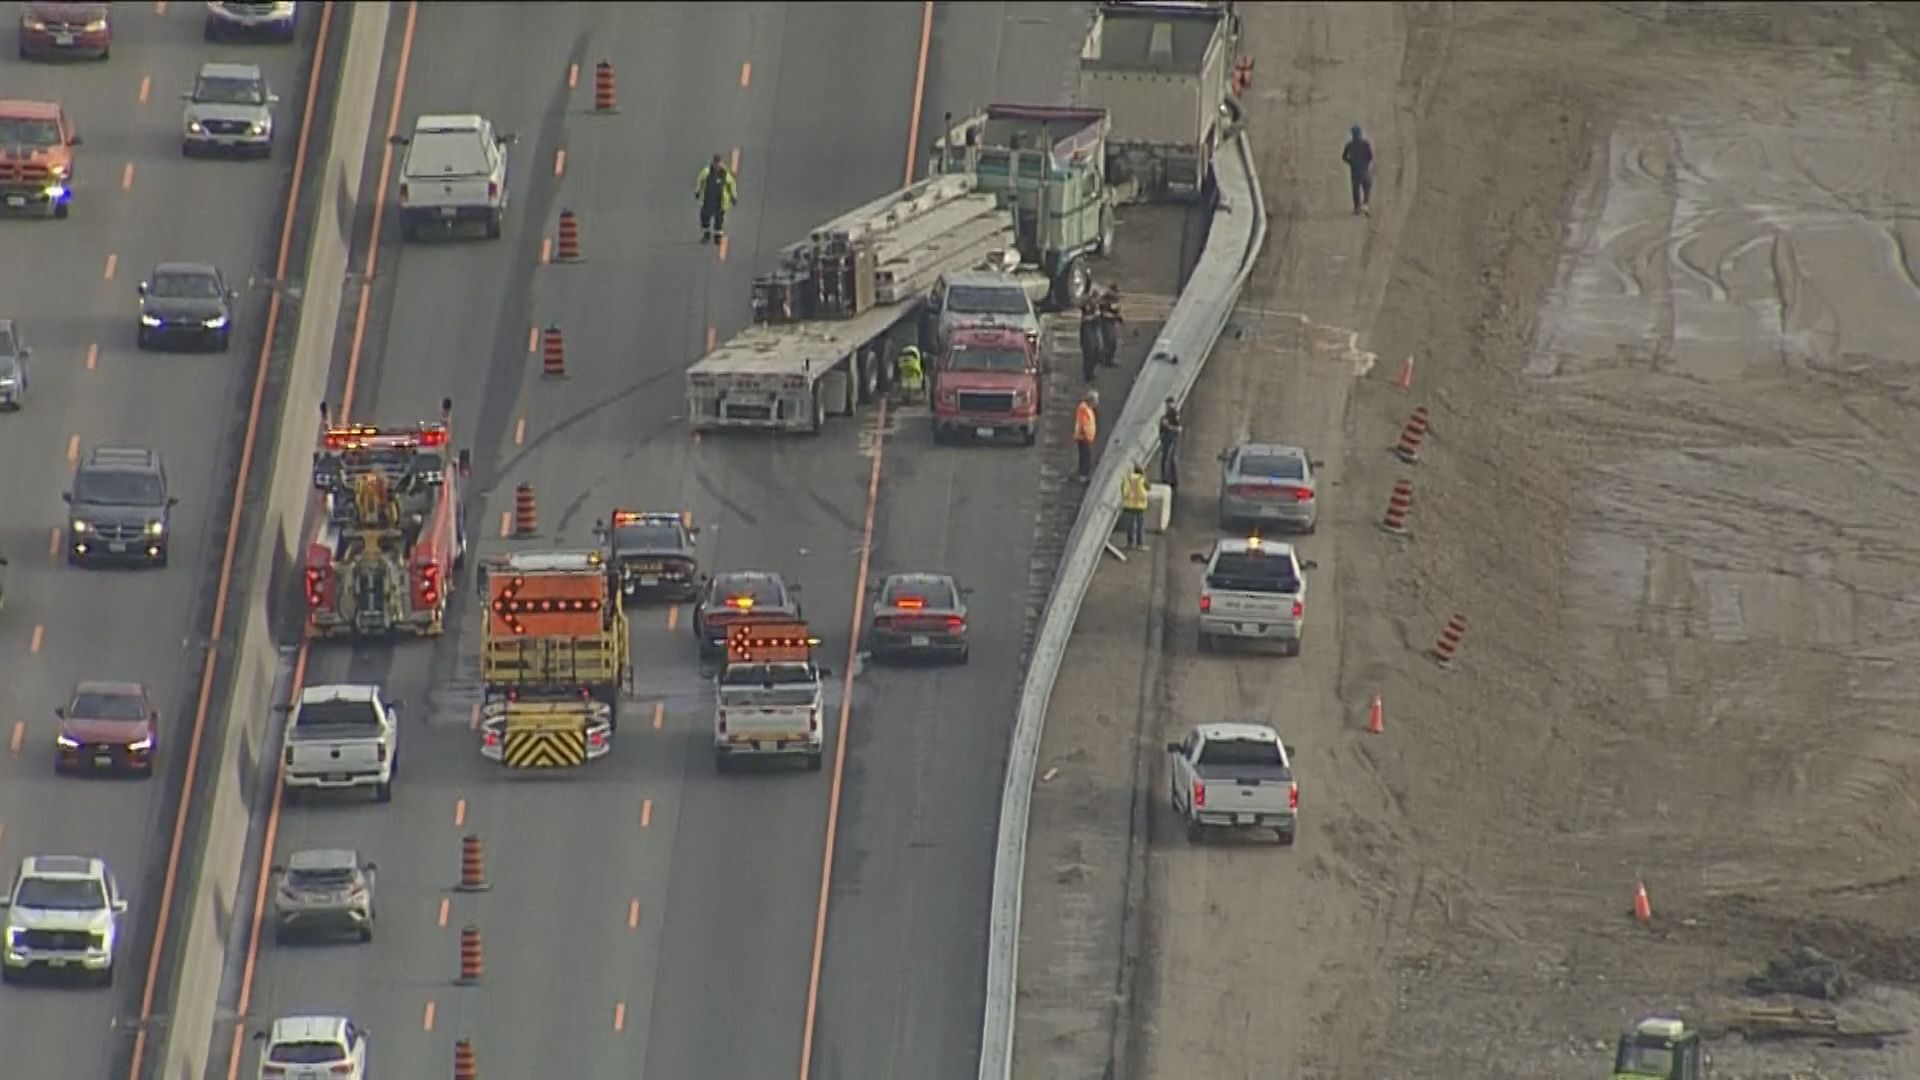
pixel 544 749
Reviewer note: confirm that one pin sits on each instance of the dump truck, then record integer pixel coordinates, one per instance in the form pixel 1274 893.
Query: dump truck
pixel 391 536
pixel 1046 164
pixel 768 697
pixel 831 317
pixel 554 658
pixel 1164 72
pixel 1659 1048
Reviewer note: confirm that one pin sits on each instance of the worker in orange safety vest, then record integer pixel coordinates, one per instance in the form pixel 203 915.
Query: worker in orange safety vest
pixel 1086 425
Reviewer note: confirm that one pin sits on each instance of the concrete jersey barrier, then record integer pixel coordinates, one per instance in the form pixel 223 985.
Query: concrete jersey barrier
pixel 1198 318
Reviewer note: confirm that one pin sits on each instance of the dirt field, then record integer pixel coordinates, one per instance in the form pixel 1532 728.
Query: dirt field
pixel 1655 265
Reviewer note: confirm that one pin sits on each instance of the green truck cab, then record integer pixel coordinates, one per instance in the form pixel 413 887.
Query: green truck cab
pixel 1659 1048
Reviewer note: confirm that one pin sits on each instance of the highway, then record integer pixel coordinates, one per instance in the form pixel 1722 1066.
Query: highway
pixel 648 913
pixel 71 285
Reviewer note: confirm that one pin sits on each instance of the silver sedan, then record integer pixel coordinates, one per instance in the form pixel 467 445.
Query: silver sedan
pixel 1268 484
pixel 919 614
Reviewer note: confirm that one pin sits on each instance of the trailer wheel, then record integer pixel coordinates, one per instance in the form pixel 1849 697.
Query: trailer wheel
pixel 1105 248
pixel 819 419
pixel 866 364
pixel 1072 285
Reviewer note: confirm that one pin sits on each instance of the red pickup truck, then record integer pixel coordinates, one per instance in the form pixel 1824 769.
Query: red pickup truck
pixel 988 383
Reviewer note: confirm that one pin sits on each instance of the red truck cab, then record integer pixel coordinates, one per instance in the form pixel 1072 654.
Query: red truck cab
pixel 987 383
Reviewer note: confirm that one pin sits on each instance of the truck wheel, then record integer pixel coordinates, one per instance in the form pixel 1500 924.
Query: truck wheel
pixel 1284 837
pixel 1105 246
pixel 1028 435
pixel 60 209
pixel 940 437
pixel 383 793
pixel 366 934
pixel 819 413
pixel 494 224
pixel 1293 647
pixel 722 762
pixel 407 231
pixel 1072 285
pixel 1194 832
pixel 1206 642
pixel 815 760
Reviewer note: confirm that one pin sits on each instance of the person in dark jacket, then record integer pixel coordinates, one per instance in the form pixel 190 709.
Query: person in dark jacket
pixel 1170 444
pixel 1090 343
pixel 1110 321
pixel 714 189
pixel 1359 158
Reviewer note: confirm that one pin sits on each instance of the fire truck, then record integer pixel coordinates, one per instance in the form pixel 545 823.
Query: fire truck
pixel 553 659
pixel 392 533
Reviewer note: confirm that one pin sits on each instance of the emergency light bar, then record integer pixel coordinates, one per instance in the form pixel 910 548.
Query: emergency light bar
pixel 741 603
pixel 652 517
pixel 368 437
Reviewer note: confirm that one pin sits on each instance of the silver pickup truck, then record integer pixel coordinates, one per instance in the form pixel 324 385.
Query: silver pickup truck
pixel 1253 590
pixel 1234 776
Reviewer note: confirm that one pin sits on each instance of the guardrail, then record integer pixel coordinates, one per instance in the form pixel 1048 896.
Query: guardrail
pixel 1198 318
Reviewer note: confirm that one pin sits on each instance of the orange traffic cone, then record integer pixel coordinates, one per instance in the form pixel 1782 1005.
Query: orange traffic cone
pixel 1404 380
pixel 1376 718
pixel 1642 908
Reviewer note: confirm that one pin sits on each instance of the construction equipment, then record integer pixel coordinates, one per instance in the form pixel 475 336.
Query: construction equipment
pixel 1164 71
pixel 554 658
pixel 1659 1048
pixel 832 314
pixel 1047 164
pixel 392 534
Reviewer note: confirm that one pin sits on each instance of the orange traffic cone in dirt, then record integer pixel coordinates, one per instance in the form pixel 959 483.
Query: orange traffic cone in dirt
pixel 1376 717
pixel 1642 907
pixel 1404 380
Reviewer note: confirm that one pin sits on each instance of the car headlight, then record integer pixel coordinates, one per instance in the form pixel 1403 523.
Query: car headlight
pixel 149 320
pixel 96 26
pixel 79 526
pixel 194 128
pixel 29 22
pixel 258 127
pixel 14 934
pixel 215 323
pixel 156 528
pixel 141 746
pixel 56 191
pixel 66 743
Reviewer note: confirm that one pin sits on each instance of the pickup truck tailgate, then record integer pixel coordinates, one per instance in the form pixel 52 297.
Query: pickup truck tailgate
pixel 449 191
pixel 1251 607
pixel 326 756
pixel 747 722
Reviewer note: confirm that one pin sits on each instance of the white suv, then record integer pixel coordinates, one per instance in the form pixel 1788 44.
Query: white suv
pixel 313 1048
pixel 63 914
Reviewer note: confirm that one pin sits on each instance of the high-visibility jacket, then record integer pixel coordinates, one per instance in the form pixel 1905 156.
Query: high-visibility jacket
pixel 1133 491
pixel 725 192
pixel 1084 423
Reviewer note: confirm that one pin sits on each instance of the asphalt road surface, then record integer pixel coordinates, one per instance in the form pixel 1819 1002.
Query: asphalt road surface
pixel 71 285
pixel 649 912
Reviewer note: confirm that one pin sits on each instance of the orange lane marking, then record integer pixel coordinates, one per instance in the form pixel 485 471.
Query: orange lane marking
pixel 818 958
pixel 733 165
pixel 746 75
pixel 473 718
pixel 546 250
pixel 113 263
pixel 712 336
pixel 673 617
pixel 559 163
pixel 446 907
pixel 159 7
pixel 659 714
pixel 93 356
pixel 126 177
pixel 520 431
pixel 619 1016
pixel 573 76
pixel 633 913
pixel 39 635
pixel 19 737
pixel 426 1022
pixel 459 812
pixel 73 449
pixel 723 249
pixel 53 544
pixel 272 830
pixel 146 88
pixel 3 831
pixel 533 339
pixel 646 812
pixel 506 523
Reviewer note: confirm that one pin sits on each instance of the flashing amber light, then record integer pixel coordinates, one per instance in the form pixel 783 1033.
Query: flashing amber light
pixel 362 436
pixel 742 603
pixel 910 603
pixel 626 517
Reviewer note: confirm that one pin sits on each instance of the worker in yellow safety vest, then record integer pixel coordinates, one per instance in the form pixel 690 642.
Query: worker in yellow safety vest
pixel 1133 506
pixel 714 190
pixel 912 377
pixel 1086 424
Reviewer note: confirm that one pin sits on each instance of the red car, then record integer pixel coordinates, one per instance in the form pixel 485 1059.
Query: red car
pixel 82 31
pixel 107 727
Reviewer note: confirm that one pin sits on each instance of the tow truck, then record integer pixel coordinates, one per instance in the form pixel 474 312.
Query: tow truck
pixel 392 534
pixel 553 659
pixel 768 696
pixel 1659 1048
pixel 653 552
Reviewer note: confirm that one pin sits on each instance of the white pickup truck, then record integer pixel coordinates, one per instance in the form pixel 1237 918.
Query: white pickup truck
pixel 342 737
pixel 1234 776
pixel 455 173
pixel 1253 590
pixel 769 709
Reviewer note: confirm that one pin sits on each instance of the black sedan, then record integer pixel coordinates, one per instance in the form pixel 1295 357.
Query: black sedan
pixel 186 305
pixel 654 553
pixel 919 614
pixel 734 597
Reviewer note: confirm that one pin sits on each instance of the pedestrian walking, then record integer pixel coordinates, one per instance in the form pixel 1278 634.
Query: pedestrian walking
pixel 1359 158
pixel 1110 321
pixel 1170 444
pixel 714 190
pixel 1133 505
pixel 1086 425
pixel 1090 341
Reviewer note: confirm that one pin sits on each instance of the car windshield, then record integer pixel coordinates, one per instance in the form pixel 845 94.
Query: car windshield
pixel 760 675
pixel 14 132
pixel 1235 572
pixel 1009 361
pixel 227 90
pixel 987 300
pixel 306 1053
pixel 328 719
pixel 1239 752
pixel 1273 466
pixel 727 591
pixel 184 287
pixel 9 345
pixel 87 706
pixel 110 488
pixel 1645 1060
pixel 329 877
pixel 647 537
pixel 60 894
pixel 932 594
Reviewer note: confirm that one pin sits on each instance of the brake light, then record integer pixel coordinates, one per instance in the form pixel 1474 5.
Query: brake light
pixel 273 1072
pixel 433 436
pixel 910 603
pixel 596 739
pixel 956 624
pixel 720 721
pixel 1293 796
pixel 380 753
pixel 430 571
pixel 344 1068
pixel 1301 494
pixel 493 190
pixel 1246 491
pixel 882 622
pixel 1299 609
pixel 1199 794
pixel 490 739
pixel 1206 603
pixel 813 721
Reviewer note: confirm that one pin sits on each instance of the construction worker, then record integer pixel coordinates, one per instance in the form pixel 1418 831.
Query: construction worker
pixel 1133 505
pixel 912 377
pixel 1358 156
pixel 1170 444
pixel 1110 322
pixel 1086 425
pixel 1091 341
pixel 714 191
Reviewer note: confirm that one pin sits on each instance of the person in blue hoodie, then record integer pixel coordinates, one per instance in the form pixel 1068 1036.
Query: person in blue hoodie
pixel 1359 158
